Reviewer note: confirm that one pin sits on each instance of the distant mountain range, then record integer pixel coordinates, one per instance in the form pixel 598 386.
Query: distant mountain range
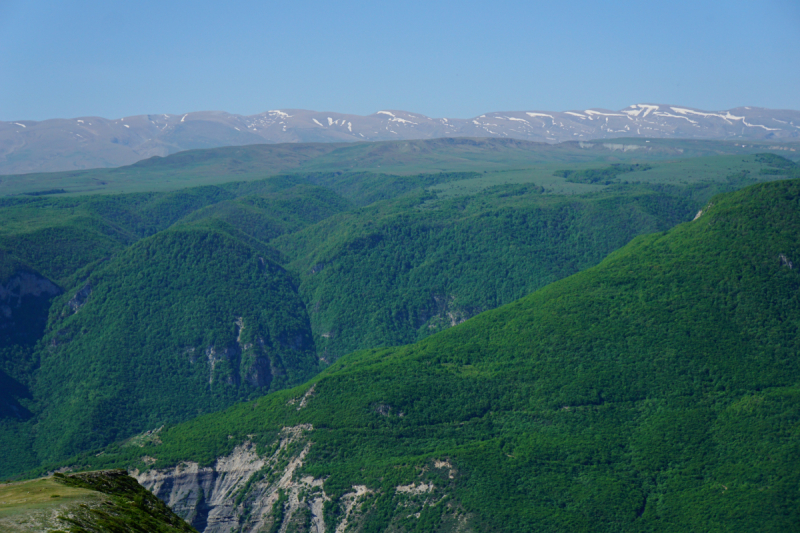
pixel 93 142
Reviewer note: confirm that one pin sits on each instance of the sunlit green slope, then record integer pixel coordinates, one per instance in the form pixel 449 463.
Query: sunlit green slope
pixel 657 391
pixel 362 274
pixel 87 502
pixel 395 272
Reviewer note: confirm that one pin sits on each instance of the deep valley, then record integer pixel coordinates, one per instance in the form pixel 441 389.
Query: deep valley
pixel 439 335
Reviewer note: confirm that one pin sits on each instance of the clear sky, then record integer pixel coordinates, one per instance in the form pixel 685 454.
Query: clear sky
pixel 440 58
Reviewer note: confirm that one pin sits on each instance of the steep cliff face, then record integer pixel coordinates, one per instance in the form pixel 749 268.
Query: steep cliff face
pixel 251 492
pixel 240 490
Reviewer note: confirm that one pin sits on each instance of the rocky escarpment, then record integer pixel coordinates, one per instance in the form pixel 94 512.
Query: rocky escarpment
pixel 248 491
pixel 240 491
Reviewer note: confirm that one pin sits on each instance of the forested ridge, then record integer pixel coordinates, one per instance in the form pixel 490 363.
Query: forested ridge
pixel 125 313
pixel 656 391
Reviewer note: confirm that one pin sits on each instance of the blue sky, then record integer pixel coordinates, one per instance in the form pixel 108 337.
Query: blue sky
pixel 439 58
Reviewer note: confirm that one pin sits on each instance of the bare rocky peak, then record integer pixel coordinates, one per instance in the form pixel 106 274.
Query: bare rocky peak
pixel 93 142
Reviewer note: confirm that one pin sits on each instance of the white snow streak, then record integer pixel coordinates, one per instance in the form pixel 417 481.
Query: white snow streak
pixel 649 109
pixel 670 115
pixel 184 117
pixel 318 122
pixel 385 113
pixel 591 112
pixel 727 117
pixel 18 124
pixel 642 107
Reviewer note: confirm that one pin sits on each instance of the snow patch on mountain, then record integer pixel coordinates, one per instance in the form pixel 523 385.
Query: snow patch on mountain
pixel 593 112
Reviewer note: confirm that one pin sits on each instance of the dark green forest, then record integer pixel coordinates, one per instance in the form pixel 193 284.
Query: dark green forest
pixel 656 391
pixel 598 358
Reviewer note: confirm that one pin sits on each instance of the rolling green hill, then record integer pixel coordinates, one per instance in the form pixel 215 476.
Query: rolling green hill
pixel 657 391
pixel 504 160
pixel 395 272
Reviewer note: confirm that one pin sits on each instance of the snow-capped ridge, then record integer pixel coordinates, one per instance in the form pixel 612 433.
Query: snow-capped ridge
pixel 126 140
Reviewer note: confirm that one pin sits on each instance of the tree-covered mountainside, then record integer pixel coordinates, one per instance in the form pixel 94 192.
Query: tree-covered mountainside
pixel 151 308
pixel 151 328
pixel 181 323
pixel 393 273
pixel 89 502
pixel 656 391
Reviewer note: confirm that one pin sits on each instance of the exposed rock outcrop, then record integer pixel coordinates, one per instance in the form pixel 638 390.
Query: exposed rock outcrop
pixel 250 492
pixel 80 298
pixel 212 498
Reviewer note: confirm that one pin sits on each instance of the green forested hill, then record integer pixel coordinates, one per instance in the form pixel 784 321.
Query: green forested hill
pixel 149 329
pixel 657 391
pixel 179 324
pixel 394 272
pixel 136 297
